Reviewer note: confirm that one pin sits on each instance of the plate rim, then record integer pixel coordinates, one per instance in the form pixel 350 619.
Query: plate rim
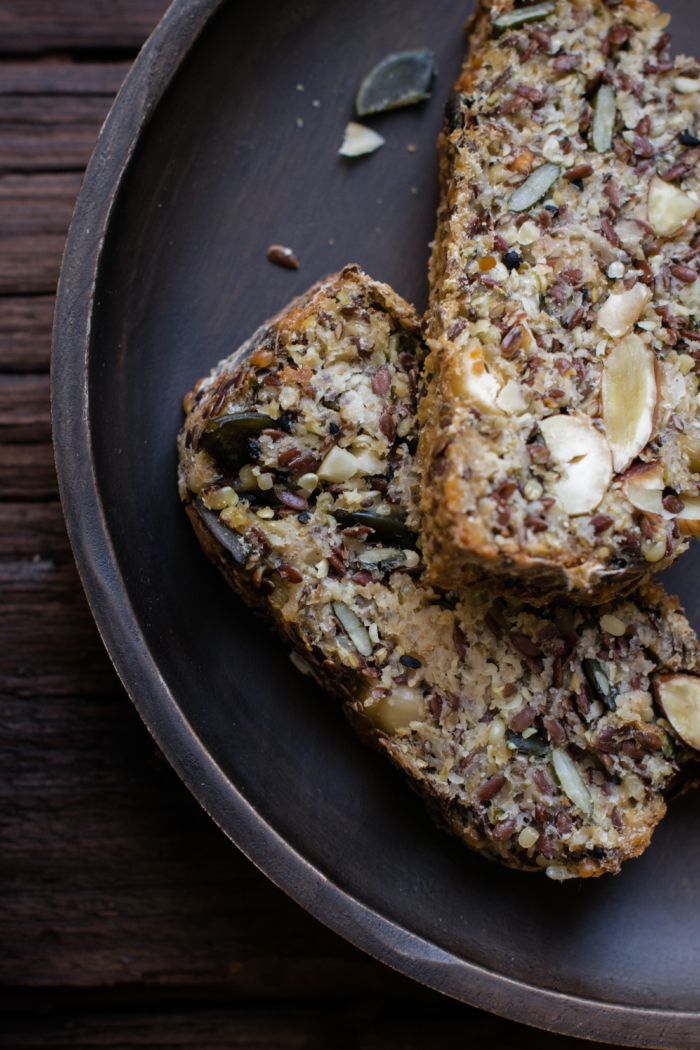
pixel 126 645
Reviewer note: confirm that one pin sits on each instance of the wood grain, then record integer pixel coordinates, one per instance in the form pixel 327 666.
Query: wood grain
pixel 370 1023
pixel 35 213
pixel 33 26
pixel 25 331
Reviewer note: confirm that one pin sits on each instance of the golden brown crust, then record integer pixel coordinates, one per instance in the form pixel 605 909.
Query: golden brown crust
pixel 443 684
pixel 492 140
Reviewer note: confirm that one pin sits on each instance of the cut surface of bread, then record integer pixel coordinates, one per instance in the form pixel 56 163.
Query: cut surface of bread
pixel 560 442
pixel 535 735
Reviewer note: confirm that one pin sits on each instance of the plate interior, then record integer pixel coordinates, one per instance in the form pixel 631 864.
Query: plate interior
pixel 242 153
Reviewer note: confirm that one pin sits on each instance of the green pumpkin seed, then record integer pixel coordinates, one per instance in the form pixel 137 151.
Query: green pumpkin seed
pixel 532 745
pixel 387 530
pixel 534 188
pixel 571 782
pixel 398 80
pixel 234 544
pixel 226 438
pixel 604 119
pixel 599 683
pixel 356 630
pixel 523 15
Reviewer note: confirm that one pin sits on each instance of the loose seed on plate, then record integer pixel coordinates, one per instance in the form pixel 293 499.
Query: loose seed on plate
pixel 281 256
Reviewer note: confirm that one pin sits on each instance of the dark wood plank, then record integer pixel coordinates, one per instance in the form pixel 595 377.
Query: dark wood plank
pixel 33 530
pixel 25 332
pixel 52 112
pixel 27 472
pixel 374 1023
pixel 33 26
pixel 245 1030
pixel 62 77
pixel 35 213
pixel 25 409
pixel 68 146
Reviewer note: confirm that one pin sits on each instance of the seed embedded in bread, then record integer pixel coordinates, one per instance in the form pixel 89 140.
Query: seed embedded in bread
pixel 564 323
pixel 534 735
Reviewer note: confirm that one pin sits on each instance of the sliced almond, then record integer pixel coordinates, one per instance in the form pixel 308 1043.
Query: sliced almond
pixel 471 378
pixel 670 209
pixel 585 458
pixel 689 443
pixel 619 314
pixel 644 489
pixel 689 517
pixel 679 696
pixel 629 399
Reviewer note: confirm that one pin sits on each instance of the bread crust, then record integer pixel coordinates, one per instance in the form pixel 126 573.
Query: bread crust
pixel 467 673
pixel 471 448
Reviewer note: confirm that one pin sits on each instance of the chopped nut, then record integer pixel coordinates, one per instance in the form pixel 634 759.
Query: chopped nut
pixel 678 696
pixel 359 140
pixel 584 455
pixel 689 517
pixel 470 377
pixel 528 233
pixel 620 312
pixel 670 209
pixel 644 489
pixel 686 85
pixel 338 466
pixel 222 498
pixel 630 396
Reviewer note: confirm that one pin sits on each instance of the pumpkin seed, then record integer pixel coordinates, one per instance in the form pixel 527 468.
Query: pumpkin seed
pixel 531 745
pixel 398 80
pixel 604 119
pixel 356 630
pixel 386 530
pixel 534 188
pixel 667 746
pixel 571 782
pixel 227 438
pixel 523 15
pixel 234 544
pixel 599 683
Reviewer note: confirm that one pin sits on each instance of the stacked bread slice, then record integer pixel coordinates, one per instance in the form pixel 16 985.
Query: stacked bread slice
pixel 560 432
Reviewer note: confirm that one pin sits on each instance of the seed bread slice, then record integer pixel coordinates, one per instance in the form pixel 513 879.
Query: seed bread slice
pixel 533 734
pixel 560 443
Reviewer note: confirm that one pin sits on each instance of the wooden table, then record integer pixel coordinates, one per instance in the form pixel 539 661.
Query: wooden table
pixel 127 919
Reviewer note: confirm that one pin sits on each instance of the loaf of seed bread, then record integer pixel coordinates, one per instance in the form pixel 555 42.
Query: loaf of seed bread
pixel 535 735
pixel 560 443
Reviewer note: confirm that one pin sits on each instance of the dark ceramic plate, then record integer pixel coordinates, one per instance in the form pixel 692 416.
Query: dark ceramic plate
pixel 211 153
